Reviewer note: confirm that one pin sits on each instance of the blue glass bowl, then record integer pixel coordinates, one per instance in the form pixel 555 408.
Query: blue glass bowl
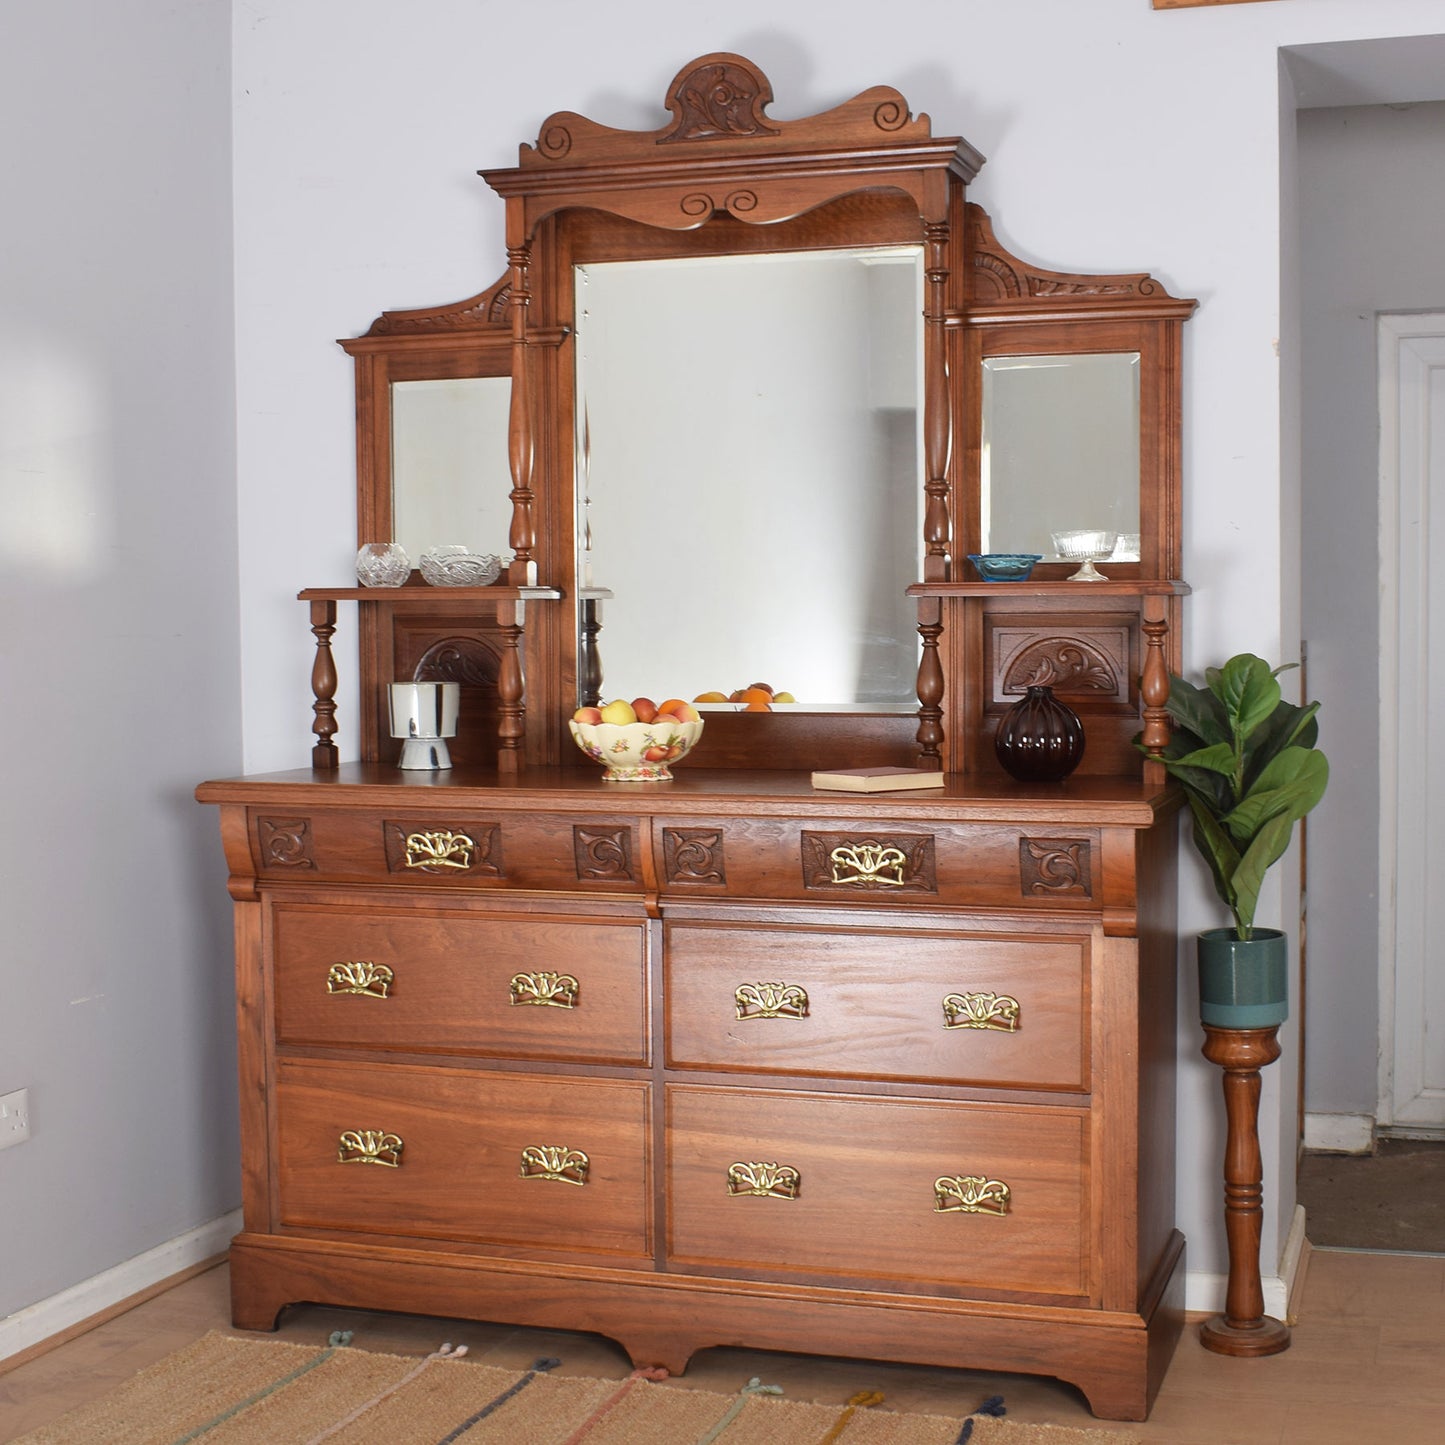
pixel 1004 566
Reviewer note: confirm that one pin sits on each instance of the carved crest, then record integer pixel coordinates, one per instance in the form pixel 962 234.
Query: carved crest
pixel 693 855
pixel 285 842
pixel 719 95
pixel 457 659
pixel 602 853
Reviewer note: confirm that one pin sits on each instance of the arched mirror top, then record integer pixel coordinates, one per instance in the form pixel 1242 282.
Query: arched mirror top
pixel 722 154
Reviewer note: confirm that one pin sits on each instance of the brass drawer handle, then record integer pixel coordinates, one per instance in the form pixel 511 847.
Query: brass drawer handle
pixel 997 1011
pixel 556 1162
pixel 771 1001
pixel 971 1194
pixel 439 850
pixel 360 977
pixel 547 990
pixel 370 1146
pixel 775 1181
pixel 868 863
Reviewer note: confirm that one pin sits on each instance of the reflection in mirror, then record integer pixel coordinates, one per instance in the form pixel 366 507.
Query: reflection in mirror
pixel 749 475
pixel 1060 450
pixel 449 471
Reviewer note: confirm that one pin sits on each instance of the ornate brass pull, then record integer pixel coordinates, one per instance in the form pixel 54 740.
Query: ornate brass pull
pixel 556 1162
pixel 971 1194
pixel 868 863
pixel 370 1146
pixel 371 979
pixel 776 1181
pixel 997 1011
pixel 548 990
pixel 439 850
pixel 771 1001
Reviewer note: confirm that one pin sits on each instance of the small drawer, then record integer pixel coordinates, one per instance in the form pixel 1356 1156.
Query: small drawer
pixel 493 984
pixel 950 1007
pixel 934 1195
pixel 508 1159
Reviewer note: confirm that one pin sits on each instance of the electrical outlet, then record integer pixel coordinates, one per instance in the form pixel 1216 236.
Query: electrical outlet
pixel 14 1118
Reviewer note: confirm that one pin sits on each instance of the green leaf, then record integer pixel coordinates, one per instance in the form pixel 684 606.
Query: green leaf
pixel 1248 878
pixel 1288 726
pixel 1216 847
pixel 1289 787
pixel 1218 758
pixel 1198 711
pixel 1249 692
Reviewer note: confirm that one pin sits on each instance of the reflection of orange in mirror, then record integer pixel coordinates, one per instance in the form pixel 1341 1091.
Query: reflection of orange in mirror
pixel 755 694
pixel 758 707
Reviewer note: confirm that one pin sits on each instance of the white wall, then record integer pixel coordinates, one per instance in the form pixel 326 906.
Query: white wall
pixel 1372 221
pixel 120 644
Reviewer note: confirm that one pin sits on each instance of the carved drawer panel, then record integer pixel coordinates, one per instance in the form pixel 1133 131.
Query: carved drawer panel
pixel 460 982
pixel 913 1193
pixel 505 849
pixel 946 1006
pixel 880 861
pixel 507 1159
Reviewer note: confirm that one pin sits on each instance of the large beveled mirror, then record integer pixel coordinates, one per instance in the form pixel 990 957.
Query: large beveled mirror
pixel 750 471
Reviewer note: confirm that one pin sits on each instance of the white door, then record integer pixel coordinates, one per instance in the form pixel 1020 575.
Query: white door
pixel 1412 724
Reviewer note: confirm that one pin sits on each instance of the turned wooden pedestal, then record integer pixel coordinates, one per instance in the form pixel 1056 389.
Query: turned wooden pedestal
pixel 1243 1328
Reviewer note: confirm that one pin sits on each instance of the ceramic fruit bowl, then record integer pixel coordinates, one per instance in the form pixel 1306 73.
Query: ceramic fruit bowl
pixel 636 752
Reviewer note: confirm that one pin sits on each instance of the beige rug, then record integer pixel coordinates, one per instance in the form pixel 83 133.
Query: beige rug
pixel 226 1391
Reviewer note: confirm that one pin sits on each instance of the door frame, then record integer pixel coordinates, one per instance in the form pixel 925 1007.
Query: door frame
pixel 1409 344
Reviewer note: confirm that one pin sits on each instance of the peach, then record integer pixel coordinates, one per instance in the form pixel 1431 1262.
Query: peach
pixel 682 711
pixel 645 709
pixel 590 715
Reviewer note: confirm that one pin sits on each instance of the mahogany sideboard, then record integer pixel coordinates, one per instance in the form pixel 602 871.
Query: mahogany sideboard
pixel 723 1061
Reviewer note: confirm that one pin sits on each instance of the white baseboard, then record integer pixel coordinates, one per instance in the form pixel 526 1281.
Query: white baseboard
pixel 49 1317
pixel 1205 1293
pixel 1340 1133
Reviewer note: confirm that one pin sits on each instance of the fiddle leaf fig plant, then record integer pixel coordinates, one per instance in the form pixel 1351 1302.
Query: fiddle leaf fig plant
pixel 1250 769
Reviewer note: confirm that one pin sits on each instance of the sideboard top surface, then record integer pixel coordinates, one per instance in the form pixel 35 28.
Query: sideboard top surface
pixel 1097 801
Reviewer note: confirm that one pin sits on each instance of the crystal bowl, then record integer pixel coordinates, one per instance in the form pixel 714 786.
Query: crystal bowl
pixel 382 564
pixel 1080 546
pixel 636 752
pixel 1004 566
pixel 455 566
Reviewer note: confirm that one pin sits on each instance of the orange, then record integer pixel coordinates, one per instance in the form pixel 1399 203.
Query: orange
pixel 755 694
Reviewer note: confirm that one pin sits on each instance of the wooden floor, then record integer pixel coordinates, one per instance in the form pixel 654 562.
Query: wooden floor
pixel 1367 1366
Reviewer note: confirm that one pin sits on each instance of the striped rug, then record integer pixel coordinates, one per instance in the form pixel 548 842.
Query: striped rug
pixel 227 1391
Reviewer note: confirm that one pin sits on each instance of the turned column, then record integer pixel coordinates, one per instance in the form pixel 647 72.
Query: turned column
pixel 1243 1328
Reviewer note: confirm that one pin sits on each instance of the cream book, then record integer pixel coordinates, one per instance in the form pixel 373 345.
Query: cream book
pixel 877 780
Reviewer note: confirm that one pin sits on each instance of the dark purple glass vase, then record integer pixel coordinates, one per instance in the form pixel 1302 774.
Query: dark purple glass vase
pixel 1039 739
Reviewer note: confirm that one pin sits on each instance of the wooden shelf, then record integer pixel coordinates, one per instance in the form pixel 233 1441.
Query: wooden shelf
pixel 1136 587
pixel 424 595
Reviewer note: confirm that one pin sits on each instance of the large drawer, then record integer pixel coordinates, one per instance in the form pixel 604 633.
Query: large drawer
pixel 508 985
pixel 510 1159
pixel 946 1006
pixel 941 1196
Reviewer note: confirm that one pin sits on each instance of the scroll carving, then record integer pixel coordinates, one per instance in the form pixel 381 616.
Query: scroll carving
pixel 457 659
pixel 1066 664
pixel 602 853
pixel 1000 276
pixel 1058 866
pixel 693 855
pixel 486 311
pixel 285 842
pixel 881 862
pixel 722 96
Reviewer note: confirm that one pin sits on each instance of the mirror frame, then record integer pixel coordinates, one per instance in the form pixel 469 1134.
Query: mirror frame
pixel 724 177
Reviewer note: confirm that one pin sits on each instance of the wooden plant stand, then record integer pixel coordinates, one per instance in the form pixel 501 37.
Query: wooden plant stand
pixel 1243 1329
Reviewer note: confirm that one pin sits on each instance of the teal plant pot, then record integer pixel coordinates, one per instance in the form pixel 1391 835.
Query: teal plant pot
pixel 1243 982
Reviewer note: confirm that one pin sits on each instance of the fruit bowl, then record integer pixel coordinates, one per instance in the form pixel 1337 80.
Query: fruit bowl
pixel 455 566
pixel 636 752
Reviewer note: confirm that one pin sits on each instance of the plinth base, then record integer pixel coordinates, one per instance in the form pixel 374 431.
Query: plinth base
pixel 1267 1337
